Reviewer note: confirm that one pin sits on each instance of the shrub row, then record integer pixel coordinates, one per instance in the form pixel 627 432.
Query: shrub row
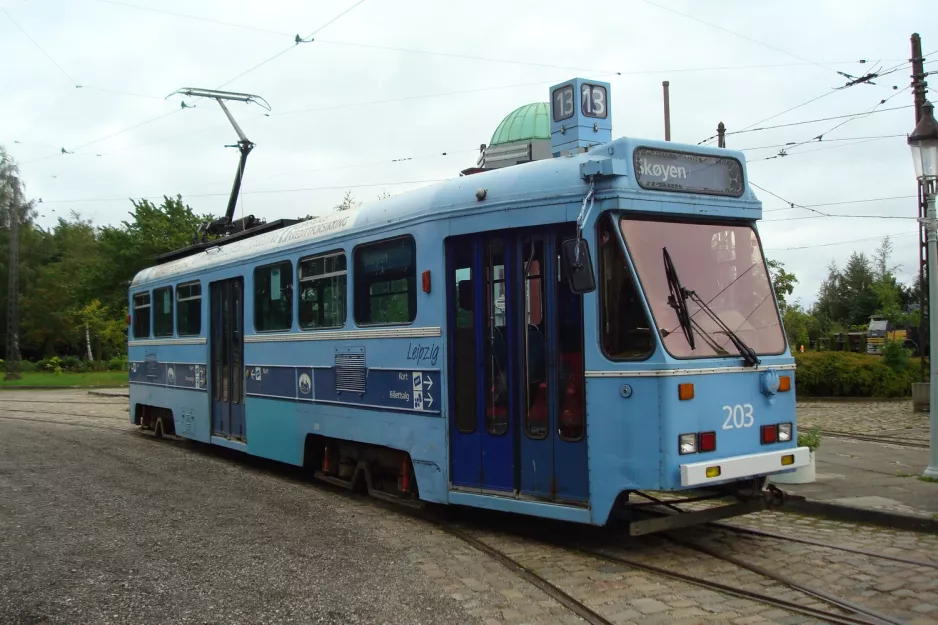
pixel 73 365
pixel 847 374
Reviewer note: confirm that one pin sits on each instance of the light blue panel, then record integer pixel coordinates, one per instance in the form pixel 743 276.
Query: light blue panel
pixel 706 412
pixel 190 408
pixel 273 431
pixel 424 438
pixel 623 439
pixel 533 508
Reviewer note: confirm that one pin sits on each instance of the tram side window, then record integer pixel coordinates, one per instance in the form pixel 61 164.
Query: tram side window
pixel 626 331
pixel 386 282
pixel 322 291
pixel 273 297
pixel 142 315
pixel 163 311
pixel 189 309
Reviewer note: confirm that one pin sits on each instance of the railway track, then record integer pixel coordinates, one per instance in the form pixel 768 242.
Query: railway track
pixel 847 612
pixel 874 439
pixel 808 541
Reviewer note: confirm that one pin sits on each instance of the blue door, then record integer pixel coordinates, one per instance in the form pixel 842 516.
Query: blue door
pixel 227 365
pixel 517 411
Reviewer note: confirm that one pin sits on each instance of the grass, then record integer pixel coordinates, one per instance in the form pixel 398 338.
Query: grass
pixel 65 380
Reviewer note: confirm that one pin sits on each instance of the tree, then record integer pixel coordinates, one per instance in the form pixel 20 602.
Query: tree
pixel 782 281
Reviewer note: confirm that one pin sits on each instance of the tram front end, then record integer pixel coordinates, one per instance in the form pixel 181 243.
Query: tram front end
pixel 693 388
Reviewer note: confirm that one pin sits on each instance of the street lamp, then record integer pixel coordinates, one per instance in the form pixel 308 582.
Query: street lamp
pixel 924 144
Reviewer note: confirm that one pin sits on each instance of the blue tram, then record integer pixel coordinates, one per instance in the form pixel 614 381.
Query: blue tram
pixel 549 339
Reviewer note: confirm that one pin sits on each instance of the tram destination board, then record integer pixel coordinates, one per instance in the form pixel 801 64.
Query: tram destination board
pixel 667 170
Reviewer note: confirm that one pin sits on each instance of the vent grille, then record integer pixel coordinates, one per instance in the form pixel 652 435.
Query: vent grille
pixel 350 373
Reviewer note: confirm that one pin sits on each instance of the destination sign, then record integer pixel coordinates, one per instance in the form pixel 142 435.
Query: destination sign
pixel 666 170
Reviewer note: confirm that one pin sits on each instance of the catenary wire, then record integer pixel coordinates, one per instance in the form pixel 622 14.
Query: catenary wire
pixel 808 247
pixel 736 34
pixel 40 48
pixel 296 43
pixel 258 192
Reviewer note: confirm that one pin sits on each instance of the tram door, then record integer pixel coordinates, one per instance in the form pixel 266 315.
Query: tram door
pixel 517 409
pixel 227 365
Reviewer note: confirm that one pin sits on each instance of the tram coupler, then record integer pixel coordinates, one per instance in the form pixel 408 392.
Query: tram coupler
pixel 774 496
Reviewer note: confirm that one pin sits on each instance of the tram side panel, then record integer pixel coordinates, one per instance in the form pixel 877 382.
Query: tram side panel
pixel 379 385
pixel 173 378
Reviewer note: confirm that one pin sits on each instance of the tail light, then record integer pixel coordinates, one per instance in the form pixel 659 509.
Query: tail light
pixel 769 434
pixel 784 432
pixel 696 442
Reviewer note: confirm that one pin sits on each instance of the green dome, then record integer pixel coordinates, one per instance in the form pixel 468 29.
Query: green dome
pixel 531 121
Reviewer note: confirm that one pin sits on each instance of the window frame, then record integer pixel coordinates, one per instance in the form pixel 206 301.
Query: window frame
pixel 256 301
pixel 345 292
pixel 356 280
pixel 612 219
pixel 149 307
pixel 189 298
pixel 172 311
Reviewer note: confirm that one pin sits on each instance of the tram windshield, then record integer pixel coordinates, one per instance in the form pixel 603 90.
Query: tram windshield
pixel 724 267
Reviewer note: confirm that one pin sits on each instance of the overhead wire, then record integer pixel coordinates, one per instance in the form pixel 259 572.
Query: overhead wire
pixel 808 247
pixel 39 47
pixel 258 192
pixel 736 34
pixel 297 42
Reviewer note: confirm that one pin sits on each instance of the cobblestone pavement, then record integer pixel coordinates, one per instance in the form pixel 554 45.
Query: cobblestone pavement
pixel 894 419
pixel 79 496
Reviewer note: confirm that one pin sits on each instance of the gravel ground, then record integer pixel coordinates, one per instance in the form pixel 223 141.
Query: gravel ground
pixel 102 525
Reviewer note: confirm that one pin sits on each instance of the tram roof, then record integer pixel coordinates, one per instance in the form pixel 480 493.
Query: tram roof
pixel 555 178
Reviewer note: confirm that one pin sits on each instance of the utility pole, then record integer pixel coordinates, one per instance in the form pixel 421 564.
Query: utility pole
pixel 918 93
pixel 13 293
pixel 667 110
pixel 721 135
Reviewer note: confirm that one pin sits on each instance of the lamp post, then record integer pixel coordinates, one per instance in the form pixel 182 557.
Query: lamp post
pixel 924 144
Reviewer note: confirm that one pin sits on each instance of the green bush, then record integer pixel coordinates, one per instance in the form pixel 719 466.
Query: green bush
pixel 848 374
pixel 117 364
pixel 27 367
pixel 810 439
pixel 71 363
pixel 895 356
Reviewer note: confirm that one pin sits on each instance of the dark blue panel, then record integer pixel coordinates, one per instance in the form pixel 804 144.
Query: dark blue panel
pixel 498 451
pixel 570 457
pixel 155 371
pixel 305 390
pixel 189 376
pixel 270 381
pixel 465 447
pixel 537 455
pixel 413 391
pixel 174 375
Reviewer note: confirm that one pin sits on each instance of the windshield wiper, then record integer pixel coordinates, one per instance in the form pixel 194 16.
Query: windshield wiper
pixel 748 354
pixel 678 298
pixel 678 301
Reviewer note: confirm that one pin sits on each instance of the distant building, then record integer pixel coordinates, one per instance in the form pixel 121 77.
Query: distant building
pixel 523 136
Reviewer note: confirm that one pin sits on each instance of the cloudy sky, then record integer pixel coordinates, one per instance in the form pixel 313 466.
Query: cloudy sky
pixel 386 80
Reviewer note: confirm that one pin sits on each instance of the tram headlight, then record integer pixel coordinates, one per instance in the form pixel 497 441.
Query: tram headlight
pixel 784 432
pixel 687 444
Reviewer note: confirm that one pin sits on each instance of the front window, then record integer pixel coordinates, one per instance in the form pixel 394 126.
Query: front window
pixel 723 265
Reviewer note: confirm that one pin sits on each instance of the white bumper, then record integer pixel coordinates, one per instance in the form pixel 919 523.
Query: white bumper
pixel 743 466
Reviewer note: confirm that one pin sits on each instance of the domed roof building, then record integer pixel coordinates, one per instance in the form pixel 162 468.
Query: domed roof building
pixel 524 135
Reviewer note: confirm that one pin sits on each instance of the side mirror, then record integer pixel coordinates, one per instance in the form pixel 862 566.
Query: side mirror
pixel 464 288
pixel 578 265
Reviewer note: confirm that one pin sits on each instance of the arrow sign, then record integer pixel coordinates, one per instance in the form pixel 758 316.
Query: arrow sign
pixel 428 398
pixel 429 382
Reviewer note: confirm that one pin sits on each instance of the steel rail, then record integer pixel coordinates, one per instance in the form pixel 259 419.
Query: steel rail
pixel 843 604
pixel 818 543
